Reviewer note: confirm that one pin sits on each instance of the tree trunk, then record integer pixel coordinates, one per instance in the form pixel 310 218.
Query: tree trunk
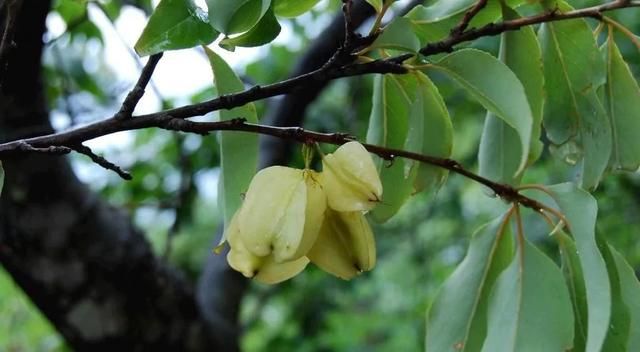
pixel 80 260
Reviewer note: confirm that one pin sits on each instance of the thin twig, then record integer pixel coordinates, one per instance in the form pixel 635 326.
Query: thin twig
pixel 349 31
pixel 468 16
pixel 301 135
pixel 82 149
pixel 24 146
pixel 131 101
pixel 492 29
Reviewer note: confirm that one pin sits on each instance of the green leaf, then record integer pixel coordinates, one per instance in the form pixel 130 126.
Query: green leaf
pixel 238 150
pixel 377 4
pixel 575 120
pixel 574 278
pixel 442 9
pixel 437 135
pixel 293 8
pixel 581 210
pixel 393 96
pixel 630 291
pixel 622 97
pixel 457 317
pixel 266 30
pixel 236 16
pixel 71 10
pixel 175 24
pixel 529 308
pixel 397 35
pixel 618 334
pixel 502 95
pixel 500 149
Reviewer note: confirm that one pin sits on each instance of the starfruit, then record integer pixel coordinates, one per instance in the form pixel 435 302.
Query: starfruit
pixel 350 179
pixel 345 246
pixel 263 269
pixel 282 213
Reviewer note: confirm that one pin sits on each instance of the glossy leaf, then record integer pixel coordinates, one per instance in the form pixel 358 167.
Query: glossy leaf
pixel 236 16
pixel 238 150
pixel 175 24
pixel 388 126
pixel 622 97
pixel 266 30
pixel 581 210
pixel 500 150
pixel 529 308
pixel 502 95
pixel 575 120
pixel 457 317
pixel 292 8
pixel 630 292
pixel 397 35
pixel 618 333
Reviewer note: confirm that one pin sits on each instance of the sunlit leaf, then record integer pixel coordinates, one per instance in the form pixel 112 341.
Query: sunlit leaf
pixel 502 95
pixel 175 24
pixel 236 16
pixel 630 291
pixel 238 150
pixel 575 120
pixel 266 30
pixel 292 8
pixel 500 150
pixel 581 210
pixel 622 97
pixel 457 317
pixel 529 307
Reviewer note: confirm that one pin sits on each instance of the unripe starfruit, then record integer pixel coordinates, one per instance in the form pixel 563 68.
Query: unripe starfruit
pixel 282 213
pixel 263 269
pixel 350 179
pixel 345 246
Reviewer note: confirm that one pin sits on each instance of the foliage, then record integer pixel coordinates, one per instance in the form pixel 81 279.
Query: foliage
pixel 560 120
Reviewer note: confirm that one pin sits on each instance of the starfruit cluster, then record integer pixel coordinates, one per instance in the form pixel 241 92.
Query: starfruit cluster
pixel 290 217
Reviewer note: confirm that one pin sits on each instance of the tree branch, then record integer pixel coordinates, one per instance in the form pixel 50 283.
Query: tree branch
pixel 468 16
pixel 173 119
pixel 131 101
pixel 322 74
pixel 492 29
pixel 83 149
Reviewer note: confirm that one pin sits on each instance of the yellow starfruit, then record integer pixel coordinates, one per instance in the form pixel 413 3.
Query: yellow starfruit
pixel 263 269
pixel 345 246
pixel 282 213
pixel 350 179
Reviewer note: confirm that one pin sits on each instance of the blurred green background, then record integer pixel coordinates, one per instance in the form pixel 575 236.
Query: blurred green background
pixel 173 194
